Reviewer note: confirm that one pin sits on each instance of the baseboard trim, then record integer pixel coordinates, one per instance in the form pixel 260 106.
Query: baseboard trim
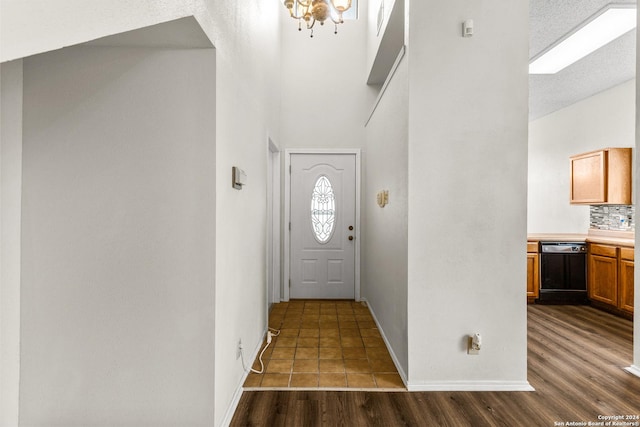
pixel 634 370
pixel 403 375
pixel 231 410
pixel 472 386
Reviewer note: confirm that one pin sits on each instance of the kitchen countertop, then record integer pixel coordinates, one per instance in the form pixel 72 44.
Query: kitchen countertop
pixel 618 238
pixel 556 237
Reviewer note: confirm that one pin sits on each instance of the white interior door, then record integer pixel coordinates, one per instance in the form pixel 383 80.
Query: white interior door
pixel 323 214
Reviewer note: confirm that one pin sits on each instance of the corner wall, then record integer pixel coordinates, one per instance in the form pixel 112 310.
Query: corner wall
pixel 10 201
pixel 467 153
pixel 606 119
pixel 385 229
pixel 118 243
pixel 247 41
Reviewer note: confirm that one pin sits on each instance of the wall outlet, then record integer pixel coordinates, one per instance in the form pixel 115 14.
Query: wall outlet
pixel 239 349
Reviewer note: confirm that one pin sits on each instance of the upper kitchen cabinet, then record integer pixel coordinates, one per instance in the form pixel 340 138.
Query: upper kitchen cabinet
pixel 601 177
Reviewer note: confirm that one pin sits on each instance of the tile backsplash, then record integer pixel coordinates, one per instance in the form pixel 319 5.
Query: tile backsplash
pixel 612 217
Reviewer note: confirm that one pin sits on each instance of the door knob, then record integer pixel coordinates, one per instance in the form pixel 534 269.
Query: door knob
pixel 350 237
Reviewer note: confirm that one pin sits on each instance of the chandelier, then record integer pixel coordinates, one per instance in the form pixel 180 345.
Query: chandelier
pixel 312 11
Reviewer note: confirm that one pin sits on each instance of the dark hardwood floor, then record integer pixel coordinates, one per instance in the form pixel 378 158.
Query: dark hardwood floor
pixel 575 363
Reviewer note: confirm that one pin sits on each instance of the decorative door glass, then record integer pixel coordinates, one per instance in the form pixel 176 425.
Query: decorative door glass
pixel 323 209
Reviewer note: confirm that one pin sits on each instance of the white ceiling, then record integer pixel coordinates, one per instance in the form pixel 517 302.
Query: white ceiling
pixel 609 66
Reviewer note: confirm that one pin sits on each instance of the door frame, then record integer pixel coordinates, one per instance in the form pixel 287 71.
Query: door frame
pixel 274 285
pixel 287 213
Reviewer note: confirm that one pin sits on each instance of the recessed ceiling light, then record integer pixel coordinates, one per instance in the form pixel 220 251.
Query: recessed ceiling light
pixel 602 28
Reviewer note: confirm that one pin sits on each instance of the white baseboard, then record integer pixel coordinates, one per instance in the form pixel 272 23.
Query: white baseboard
pixel 633 369
pixel 472 386
pixel 403 375
pixel 228 416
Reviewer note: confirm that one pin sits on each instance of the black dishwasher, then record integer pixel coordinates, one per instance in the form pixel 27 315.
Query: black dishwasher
pixel 563 273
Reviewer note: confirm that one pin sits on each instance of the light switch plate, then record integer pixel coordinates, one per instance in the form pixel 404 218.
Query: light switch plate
pixel 470 350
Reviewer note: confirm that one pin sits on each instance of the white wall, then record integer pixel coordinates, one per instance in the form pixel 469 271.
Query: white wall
pixel 467 194
pixel 604 120
pixel 118 238
pixel 384 263
pixel 10 200
pixel 325 99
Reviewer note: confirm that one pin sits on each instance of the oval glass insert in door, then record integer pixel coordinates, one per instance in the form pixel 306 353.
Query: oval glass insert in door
pixel 323 209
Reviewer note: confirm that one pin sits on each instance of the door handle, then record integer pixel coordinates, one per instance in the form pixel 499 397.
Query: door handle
pixel 350 237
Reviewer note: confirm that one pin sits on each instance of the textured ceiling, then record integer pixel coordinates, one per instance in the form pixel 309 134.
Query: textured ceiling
pixel 609 66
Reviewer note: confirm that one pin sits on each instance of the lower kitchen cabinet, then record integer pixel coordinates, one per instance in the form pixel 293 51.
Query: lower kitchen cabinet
pixel 533 272
pixel 610 277
pixel 625 280
pixel 603 277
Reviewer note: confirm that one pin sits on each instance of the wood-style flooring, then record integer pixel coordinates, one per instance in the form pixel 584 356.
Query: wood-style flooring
pixel 575 363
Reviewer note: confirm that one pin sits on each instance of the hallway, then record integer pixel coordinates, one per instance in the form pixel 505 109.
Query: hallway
pixel 325 344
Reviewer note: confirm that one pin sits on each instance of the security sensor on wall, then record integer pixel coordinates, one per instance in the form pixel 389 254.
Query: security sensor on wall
pixel 238 178
pixel 467 28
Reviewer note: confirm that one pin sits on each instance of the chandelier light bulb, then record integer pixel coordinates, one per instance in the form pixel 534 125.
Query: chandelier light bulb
pixel 320 10
pixel 341 5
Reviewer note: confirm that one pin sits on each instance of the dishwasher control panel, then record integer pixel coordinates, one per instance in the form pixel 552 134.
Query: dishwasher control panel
pixel 563 247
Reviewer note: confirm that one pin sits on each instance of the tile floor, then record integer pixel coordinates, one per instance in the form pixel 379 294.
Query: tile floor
pixel 325 344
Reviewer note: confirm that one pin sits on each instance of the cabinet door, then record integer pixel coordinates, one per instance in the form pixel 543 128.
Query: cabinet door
pixel 603 279
pixel 625 287
pixel 588 178
pixel 532 277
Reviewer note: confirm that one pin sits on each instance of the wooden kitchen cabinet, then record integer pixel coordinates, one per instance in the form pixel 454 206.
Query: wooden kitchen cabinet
pixel 610 278
pixel 533 272
pixel 601 177
pixel 603 279
pixel 625 280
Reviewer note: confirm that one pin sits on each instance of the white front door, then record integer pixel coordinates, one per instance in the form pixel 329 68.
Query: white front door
pixel 323 213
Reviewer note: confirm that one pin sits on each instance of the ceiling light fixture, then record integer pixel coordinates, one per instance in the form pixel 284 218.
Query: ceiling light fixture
pixel 605 26
pixel 317 10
